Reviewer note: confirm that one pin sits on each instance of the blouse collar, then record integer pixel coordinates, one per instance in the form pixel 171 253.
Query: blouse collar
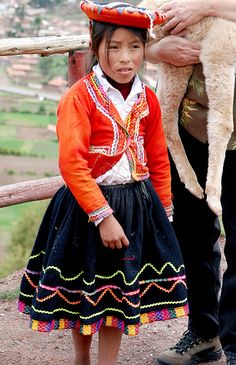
pixel 136 87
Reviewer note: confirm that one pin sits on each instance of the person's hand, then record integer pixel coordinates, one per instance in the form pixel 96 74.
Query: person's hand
pixel 174 50
pixel 182 13
pixel 112 234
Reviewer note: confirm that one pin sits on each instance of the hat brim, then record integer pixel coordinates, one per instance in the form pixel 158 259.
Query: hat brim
pixel 122 14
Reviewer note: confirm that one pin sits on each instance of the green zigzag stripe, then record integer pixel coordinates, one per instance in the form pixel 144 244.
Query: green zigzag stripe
pixel 111 276
pixel 139 273
pixel 116 273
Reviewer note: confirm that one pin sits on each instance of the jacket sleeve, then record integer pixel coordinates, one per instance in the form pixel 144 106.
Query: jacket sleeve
pixel 157 153
pixel 74 132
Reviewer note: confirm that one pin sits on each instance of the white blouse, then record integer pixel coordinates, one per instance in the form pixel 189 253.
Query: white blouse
pixel 120 173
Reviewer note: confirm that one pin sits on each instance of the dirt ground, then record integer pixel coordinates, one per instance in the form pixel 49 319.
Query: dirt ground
pixel 19 345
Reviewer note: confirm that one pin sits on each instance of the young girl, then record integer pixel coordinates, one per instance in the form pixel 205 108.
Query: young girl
pixel 106 259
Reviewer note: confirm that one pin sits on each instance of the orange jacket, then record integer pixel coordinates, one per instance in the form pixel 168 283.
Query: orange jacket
pixel 92 138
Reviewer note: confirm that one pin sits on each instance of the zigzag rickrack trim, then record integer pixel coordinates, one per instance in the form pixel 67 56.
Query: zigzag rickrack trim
pixel 108 321
pixel 160 271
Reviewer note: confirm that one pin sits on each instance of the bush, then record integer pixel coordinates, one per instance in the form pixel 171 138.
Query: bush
pixel 42 110
pixel 22 239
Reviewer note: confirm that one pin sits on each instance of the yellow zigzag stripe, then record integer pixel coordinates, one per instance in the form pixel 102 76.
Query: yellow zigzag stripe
pixel 61 276
pixel 116 273
pixel 37 255
pixel 109 309
pixel 26 295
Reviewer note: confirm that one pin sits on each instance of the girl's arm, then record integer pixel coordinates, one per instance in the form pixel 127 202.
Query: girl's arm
pixel 74 133
pixel 182 13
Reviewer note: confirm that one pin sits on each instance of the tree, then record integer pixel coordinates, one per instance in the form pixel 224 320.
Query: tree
pixel 51 67
pixel 20 11
pixel 37 24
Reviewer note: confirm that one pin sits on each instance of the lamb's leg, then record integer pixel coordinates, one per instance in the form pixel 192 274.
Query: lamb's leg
pixel 171 89
pixel 220 90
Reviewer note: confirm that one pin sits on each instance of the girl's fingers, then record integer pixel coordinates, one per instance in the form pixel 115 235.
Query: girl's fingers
pixel 117 244
pixel 105 244
pixel 125 241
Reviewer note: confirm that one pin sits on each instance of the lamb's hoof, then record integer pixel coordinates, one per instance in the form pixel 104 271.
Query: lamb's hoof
pixel 196 190
pixel 214 204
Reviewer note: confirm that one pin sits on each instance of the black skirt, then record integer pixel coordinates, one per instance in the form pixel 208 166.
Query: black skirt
pixel 73 281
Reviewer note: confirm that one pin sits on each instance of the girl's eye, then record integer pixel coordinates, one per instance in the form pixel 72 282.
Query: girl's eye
pixel 136 46
pixel 112 46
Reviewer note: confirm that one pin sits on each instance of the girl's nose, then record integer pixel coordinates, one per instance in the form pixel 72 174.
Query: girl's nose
pixel 125 56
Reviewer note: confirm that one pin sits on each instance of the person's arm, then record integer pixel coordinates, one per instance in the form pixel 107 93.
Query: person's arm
pixel 182 13
pixel 173 49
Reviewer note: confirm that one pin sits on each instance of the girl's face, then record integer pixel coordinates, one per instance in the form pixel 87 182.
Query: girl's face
pixel 122 57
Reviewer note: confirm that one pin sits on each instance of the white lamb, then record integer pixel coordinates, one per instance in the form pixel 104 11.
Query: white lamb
pixel 218 57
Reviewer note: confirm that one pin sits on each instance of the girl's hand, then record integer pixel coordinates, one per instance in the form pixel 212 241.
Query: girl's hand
pixel 182 13
pixel 112 233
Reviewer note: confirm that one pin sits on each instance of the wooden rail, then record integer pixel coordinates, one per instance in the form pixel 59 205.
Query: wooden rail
pixel 29 191
pixel 43 45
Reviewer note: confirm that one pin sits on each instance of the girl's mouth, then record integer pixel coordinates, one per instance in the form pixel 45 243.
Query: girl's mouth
pixel 125 70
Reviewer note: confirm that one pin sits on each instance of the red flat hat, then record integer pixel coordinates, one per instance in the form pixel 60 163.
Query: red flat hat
pixel 121 14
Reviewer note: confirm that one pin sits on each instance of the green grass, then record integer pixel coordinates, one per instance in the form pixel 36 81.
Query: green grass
pixel 33 105
pixel 45 149
pixel 26 119
pixel 26 103
pixel 9 295
pixel 7 132
pixel 19 225
pixel 9 215
pixel 11 144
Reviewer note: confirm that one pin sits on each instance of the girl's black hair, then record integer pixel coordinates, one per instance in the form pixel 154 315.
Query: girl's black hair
pixel 100 30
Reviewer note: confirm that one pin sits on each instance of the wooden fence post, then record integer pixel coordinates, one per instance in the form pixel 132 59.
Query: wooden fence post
pixel 79 64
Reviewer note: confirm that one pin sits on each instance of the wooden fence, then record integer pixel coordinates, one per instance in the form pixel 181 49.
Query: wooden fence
pixel 79 61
